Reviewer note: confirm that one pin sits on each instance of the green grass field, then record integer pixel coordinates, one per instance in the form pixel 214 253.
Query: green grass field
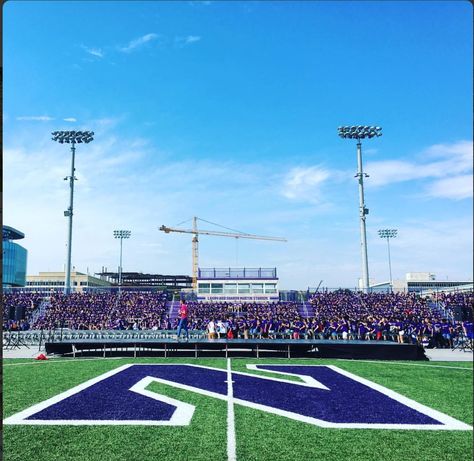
pixel 259 436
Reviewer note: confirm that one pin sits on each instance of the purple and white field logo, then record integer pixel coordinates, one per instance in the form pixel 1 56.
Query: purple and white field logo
pixel 327 397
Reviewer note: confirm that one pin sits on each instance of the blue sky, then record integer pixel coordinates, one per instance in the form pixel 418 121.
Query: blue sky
pixel 229 111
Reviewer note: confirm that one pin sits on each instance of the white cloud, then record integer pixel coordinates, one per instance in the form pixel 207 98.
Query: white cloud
pixel 122 182
pixel 97 52
pixel 70 119
pixel 392 171
pixel 192 38
pixel 460 149
pixel 129 183
pixel 457 187
pixel 187 40
pixel 442 246
pixel 448 166
pixel 138 42
pixel 442 170
pixel 453 159
pixel 35 118
pixel 305 183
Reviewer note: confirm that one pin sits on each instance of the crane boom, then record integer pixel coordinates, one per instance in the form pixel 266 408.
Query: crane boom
pixel 221 234
pixel 195 241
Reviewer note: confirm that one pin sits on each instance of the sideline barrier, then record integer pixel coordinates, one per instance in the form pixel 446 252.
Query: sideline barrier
pixel 349 349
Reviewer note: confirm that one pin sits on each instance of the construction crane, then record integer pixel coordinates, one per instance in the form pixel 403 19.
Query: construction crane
pixel 195 246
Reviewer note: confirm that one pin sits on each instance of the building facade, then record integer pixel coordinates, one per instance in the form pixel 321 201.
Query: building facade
pixel 421 283
pixel 14 258
pixel 47 281
pixel 238 285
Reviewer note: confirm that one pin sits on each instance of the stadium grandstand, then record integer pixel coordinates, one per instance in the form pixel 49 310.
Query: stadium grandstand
pixel 407 318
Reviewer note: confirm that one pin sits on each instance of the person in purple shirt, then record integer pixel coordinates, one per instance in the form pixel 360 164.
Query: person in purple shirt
pixel 468 332
pixel 295 326
pixel 302 327
pixel 437 335
pixel 446 332
pixel 362 331
pixel 308 325
pixel 353 330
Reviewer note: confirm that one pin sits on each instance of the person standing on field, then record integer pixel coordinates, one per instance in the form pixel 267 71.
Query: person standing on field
pixel 183 320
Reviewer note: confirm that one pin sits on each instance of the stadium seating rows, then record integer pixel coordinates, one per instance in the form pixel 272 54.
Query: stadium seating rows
pixel 328 315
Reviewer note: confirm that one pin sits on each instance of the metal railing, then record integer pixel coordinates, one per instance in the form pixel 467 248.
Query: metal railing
pixel 39 337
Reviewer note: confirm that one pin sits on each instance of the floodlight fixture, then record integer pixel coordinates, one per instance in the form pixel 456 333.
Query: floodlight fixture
pixel 388 234
pixel 361 132
pixel 71 137
pixel 121 234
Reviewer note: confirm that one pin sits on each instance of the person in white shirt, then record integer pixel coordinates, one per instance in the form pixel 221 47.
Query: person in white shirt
pixel 211 330
pixel 221 329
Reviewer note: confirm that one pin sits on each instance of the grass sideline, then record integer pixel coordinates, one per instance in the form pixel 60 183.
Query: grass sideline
pixel 260 436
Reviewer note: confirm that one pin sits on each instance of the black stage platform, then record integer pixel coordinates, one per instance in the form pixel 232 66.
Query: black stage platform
pixel 259 348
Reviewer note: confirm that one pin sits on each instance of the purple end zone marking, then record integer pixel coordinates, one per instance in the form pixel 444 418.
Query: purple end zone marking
pixel 347 401
pixel 111 398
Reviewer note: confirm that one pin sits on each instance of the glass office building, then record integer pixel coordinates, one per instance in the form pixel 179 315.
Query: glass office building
pixel 14 258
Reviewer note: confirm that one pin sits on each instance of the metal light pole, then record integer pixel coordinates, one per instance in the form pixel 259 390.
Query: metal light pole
pixel 71 137
pixel 360 132
pixel 121 234
pixel 388 234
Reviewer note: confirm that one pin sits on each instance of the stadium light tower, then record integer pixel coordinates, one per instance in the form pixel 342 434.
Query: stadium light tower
pixel 71 137
pixel 121 234
pixel 361 132
pixel 388 234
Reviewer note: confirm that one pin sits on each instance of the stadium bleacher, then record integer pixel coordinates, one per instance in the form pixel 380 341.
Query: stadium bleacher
pixel 343 314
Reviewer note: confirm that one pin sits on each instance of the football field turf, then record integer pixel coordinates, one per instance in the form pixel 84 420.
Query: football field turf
pixel 259 435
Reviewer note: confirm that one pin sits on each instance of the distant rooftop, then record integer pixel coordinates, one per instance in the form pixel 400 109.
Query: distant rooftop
pixel 11 234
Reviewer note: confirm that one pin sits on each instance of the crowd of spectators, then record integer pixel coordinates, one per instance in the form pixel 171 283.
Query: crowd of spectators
pixel 18 308
pixel 406 318
pixel 449 300
pixel 401 317
pixel 104 311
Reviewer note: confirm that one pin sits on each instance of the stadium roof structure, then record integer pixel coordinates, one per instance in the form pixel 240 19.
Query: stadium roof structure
pixel 140 279
pixel 9 233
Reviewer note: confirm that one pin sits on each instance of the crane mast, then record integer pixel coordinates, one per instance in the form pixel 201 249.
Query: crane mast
pixel 195 253
pixel 195 241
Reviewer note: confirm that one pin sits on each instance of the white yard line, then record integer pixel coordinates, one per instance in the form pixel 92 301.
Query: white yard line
pixel 231 444
pixel 387 362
